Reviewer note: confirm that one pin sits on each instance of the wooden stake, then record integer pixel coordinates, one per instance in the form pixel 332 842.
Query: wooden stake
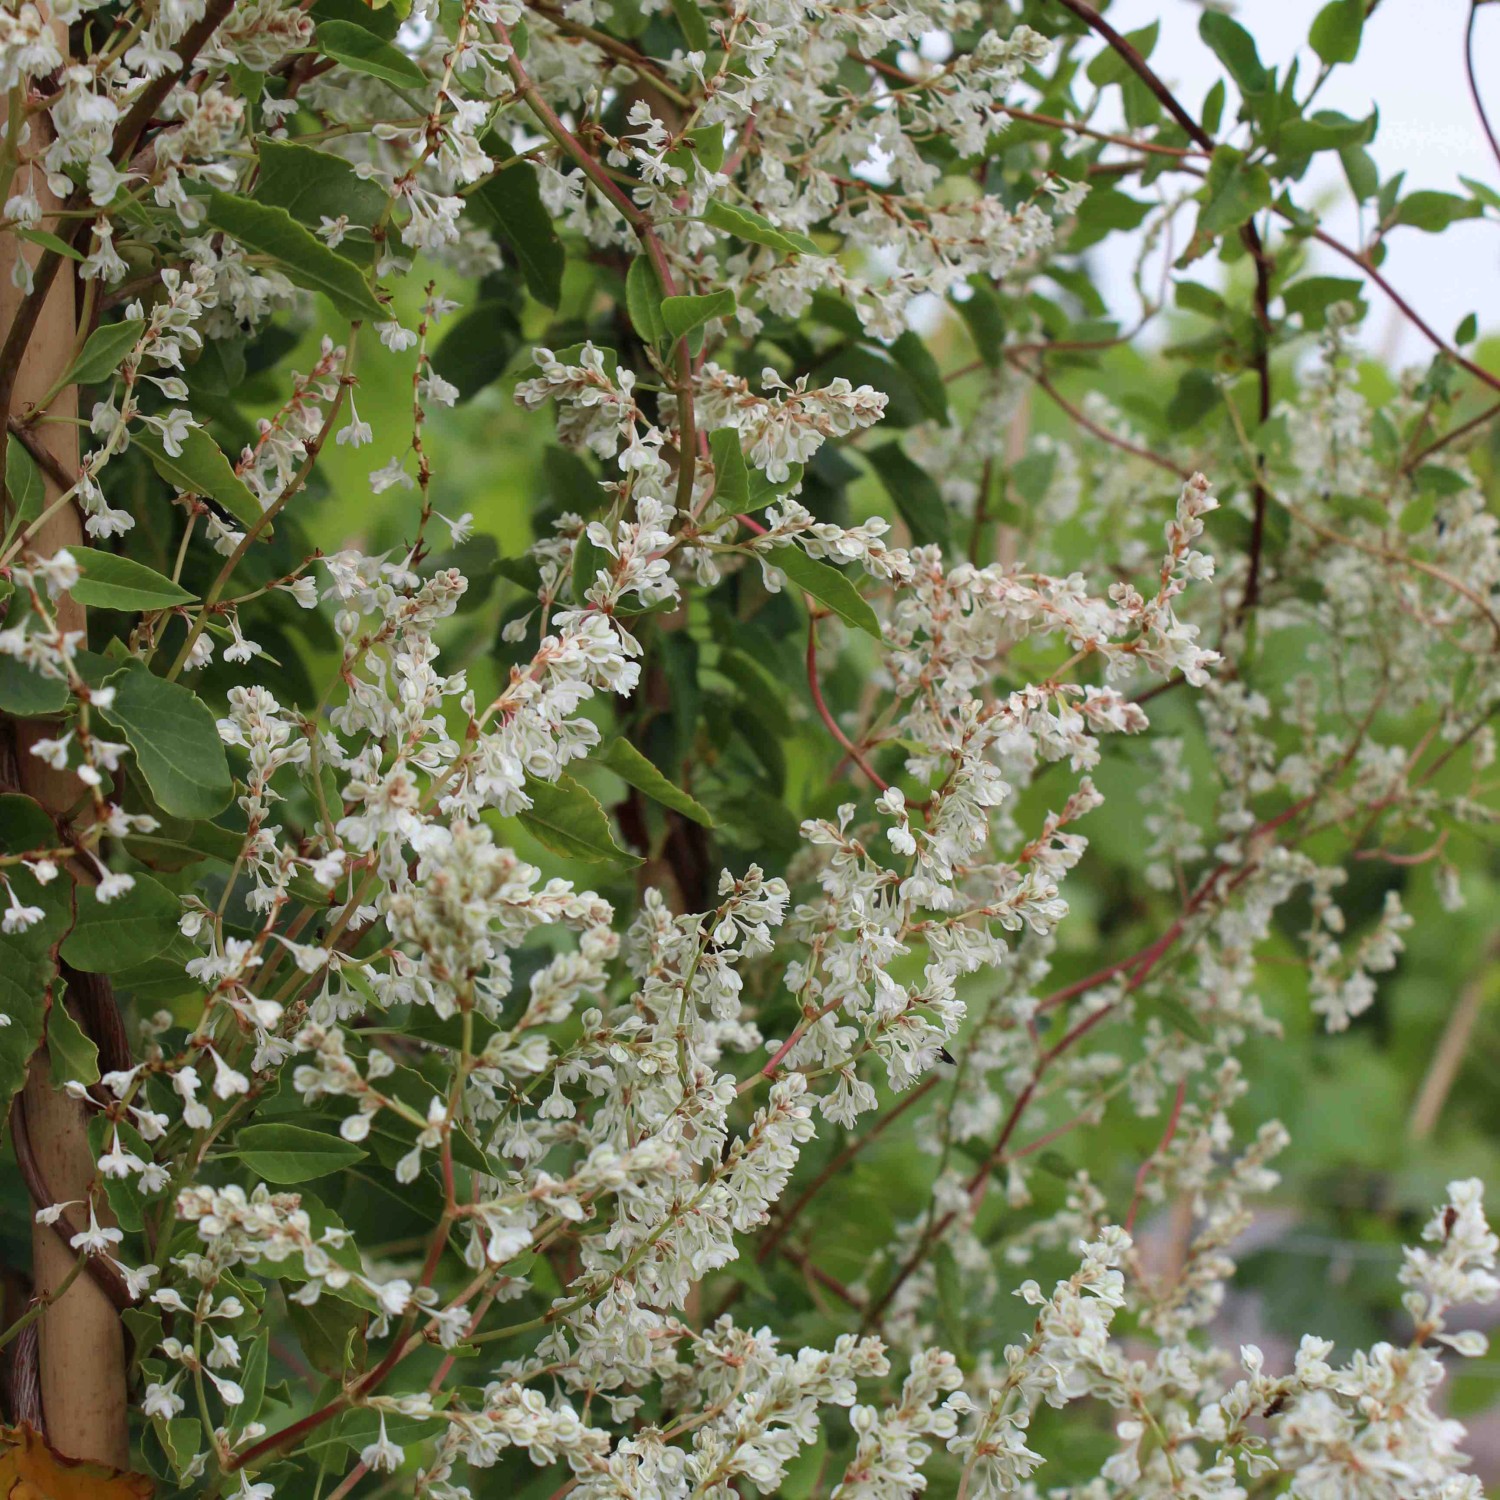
pixel 82 1346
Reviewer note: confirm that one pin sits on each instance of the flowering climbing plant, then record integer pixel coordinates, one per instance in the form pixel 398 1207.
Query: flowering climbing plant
pixel 611 999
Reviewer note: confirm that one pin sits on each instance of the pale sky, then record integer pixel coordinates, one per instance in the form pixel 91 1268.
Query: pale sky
pixel 1411 67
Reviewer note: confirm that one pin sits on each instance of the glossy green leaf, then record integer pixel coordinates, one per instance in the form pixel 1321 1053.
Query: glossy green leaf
pixel 643 300
pixel 510 205
pixel 621 757
pixel 827 585
pixel 113 582
pixel 25 489
pixel 312 185
pixel 72 1056
pixel 100 356
pixel 566 818
pixel 756 229
pixel 1235 48
pixel 298 253
pixel 731 476
pixel 289 1154
pixel 175 739
pixel 915 494
pixel 365 52
pixel 109 936
pixel 201 469
pixel 683 314
pixel 694 27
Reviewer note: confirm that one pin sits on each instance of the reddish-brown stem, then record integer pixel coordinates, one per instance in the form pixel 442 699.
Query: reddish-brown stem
pixel 850 749
pixel 1089 425
pixel 783 1225
pixel 1478 98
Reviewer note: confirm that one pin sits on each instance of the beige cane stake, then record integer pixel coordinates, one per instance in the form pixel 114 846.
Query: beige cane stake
pixel 81 1343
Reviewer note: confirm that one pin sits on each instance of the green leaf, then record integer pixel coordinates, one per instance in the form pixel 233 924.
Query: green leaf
pixel 49 241
pixel 1310 298
pixel 694 28
pixel 25 694
pixel 477 350
pixel 1467 331
pixel 100 357
pixel 915 494
pixel 1325 131
pixel 201 469
pixel 1361 172
pixel 181 1438
pixel 1108 67
pixel 24 486
pixel 764 491
pixel 683 314
pixel 755 229
pixel 621 757
pixel 26 829
pixel 566 818
pixel 1417 514
pixel 175 739
pixel 1173 1013
pixel 643 300
pixel 826 584
pixel 1432 211
pixel 364 52
pixel 510 206
pixel 588 560
pixel 1233 192
pixel 1235 48
pixel 1336 31
pixel 289 1154
pixel 111 582
pixel 327 1331
pixel 73 1056
pixel 24 979
pixel 910 351
pixel 114 935
pixel 731 477
pixel 311 185
pixel 303 258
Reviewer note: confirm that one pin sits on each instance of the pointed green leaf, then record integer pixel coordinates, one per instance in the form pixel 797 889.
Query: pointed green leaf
pixel 111 582
pixel 201 469
pixel 690 19
pixel 24 485
pixel 566 818
pixel 643 300
pixel 302 257
pixel 289 1154
pixel 621 757
pixel 731 478
pixel 1235 48
pixel 510 205
pixel 756 229
pixel 915 494
pixel 683 314
pixel 73 1056
pixel 311 185
pixel 364 52
pixel 100 357
pixel 826 584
